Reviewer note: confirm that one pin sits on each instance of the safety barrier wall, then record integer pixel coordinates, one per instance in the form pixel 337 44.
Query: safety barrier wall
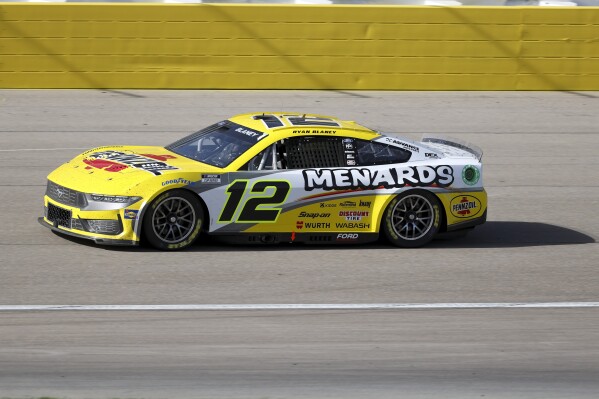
pixel 343 47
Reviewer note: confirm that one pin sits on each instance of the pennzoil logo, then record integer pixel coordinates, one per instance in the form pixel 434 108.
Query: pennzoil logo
pixel 465 206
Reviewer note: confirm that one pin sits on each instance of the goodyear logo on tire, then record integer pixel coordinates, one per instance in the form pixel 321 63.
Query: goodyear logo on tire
pixel 465 206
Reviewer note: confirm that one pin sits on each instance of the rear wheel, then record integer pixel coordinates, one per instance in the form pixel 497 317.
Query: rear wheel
pixel 412 219
pixel 173 220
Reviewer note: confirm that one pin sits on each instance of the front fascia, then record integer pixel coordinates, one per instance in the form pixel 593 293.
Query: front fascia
pixel 81 221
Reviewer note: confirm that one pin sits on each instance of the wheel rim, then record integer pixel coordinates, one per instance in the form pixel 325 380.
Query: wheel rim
pixel 173 220
pixel 412 217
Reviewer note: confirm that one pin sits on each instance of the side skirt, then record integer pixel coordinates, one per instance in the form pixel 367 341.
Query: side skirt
pixel 469 223
pixel 102 241
pixel 304 238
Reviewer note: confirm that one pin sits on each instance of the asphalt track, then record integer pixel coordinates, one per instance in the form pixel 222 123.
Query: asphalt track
pixel 539 245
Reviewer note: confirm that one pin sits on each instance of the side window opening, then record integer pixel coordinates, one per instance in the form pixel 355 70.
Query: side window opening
pixel 371 153
pixel 265 160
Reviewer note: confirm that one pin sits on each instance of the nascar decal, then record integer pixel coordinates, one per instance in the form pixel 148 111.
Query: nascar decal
pixel 465 206
pixel 210 179
pixel 392 177
pixel 115 161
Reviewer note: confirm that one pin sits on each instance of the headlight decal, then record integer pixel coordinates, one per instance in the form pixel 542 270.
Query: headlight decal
pixel 103 202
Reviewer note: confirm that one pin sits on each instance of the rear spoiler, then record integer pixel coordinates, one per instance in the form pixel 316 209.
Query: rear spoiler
pixel 452 142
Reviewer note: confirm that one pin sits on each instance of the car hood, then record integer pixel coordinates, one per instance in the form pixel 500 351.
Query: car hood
pixel 115 169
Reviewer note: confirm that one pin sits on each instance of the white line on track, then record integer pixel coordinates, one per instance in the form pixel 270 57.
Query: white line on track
pixel 316 306
pixel 42 149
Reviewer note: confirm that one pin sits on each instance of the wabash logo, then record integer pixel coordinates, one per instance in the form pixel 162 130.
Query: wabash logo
pixel 115 161
pixel 465 206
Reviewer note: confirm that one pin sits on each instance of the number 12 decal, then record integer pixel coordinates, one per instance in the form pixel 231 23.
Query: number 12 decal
pixel 250 211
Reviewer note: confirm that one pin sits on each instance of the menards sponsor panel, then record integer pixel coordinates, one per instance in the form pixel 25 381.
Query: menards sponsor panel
pixel 389 177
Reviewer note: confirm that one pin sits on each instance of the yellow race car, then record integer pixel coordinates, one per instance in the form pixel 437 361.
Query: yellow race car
pixel 268 178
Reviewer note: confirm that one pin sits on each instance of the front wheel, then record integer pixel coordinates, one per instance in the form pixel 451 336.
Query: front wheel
pixel 173 220
pixel 412 219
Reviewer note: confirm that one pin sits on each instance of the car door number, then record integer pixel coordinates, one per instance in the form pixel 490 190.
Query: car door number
pixel 250 210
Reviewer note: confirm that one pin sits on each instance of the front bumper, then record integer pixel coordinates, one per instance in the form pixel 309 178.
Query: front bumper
pixel 97 240
pixel 113 227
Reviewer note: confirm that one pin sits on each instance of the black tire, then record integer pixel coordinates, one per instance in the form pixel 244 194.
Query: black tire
pixel 173 220
pixel 412 219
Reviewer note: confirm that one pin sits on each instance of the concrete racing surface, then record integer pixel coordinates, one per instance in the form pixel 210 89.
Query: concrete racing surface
pixel 539 246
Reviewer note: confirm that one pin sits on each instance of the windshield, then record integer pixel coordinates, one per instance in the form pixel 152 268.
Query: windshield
pixel 217 145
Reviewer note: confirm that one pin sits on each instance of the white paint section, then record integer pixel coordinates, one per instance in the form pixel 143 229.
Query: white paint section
pixel 316 306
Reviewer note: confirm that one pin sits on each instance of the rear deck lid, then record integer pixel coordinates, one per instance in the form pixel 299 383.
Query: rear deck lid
pixel 452 147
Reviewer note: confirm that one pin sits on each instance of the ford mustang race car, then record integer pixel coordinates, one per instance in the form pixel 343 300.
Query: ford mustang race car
pixel 269 178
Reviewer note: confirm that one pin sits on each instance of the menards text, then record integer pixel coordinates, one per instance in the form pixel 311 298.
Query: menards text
pixel 391 177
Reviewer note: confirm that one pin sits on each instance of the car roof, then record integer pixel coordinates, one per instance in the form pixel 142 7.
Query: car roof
pixel 283 123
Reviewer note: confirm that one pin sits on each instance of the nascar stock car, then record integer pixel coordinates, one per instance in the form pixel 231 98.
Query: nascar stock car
pixel 269 178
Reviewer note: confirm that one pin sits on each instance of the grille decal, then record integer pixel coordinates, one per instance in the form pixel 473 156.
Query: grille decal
pixel 65 195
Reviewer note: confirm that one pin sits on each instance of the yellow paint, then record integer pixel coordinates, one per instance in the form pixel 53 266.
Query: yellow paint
pixel 252 46
pixel 477 204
